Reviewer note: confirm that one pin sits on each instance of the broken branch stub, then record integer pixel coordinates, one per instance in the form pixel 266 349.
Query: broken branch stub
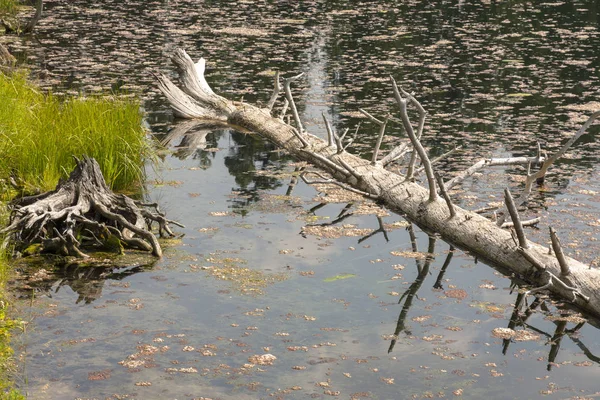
pixel 83 214
pixel 467 230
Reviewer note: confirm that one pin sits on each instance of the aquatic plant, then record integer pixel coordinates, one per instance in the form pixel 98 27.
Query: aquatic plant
pixel 41 133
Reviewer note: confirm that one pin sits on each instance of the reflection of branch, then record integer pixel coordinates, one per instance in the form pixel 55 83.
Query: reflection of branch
pixel 518 319
pixel 438 281
pixel 317 207
pixel 413 243
pixel 583 347
pixel 555 342
pixel 412 292
pixel 341 216
pixel 376 231
pixel 294 180
pixel 514 320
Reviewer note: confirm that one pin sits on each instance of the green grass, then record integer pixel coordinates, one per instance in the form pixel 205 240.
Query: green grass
pixel 7 324
pixel 8 7
pixel 40 134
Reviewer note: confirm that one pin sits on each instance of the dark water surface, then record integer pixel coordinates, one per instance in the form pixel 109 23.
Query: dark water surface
pixel 344 313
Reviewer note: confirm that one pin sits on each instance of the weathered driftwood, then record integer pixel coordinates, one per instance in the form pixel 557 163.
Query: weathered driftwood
pixel 465 229
pixel 83 213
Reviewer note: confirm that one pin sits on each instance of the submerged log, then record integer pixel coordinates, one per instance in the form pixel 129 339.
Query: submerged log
pixel 83 213
pixel 422 205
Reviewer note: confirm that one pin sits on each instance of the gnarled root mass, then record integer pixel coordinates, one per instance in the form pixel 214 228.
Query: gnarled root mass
pixel 83 213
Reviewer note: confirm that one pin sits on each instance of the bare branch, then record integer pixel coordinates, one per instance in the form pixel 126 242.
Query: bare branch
pixel 396 153
pixel 539 289
pixel 326 181
pixel 549 161
pixel 284 108
pixel 422 114
pixel 558 252
pixel 338 140
pixel 290 98
pixel 445 195
pixel 440 158
pixel 492 162
pixel 329 131
pixel 529 222
pixel 327 162
pixel 349 169
pixel 382 125
pixel 414 140
pixel 531 258
pixel 300 138
pixel 514 215
pixel 276 89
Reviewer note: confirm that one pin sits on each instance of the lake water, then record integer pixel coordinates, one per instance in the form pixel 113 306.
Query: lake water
pixel 269 265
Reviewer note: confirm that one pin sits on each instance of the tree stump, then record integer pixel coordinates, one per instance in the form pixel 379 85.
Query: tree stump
pixel 83 213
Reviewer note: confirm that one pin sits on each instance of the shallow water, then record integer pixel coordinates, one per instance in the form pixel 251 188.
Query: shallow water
pixel 250 276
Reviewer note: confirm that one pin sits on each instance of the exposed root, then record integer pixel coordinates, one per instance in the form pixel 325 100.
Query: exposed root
pixel 83 213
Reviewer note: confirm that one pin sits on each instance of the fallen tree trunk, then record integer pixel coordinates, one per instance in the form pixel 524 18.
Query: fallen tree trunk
pixel 574 281
pixel 83 213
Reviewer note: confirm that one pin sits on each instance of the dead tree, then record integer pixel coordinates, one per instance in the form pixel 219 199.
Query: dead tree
pixel 574 281
pixel 83 213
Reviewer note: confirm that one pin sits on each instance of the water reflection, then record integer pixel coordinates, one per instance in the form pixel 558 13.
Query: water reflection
pixel 494 76
pixel 194 140
pixel 254 163
pixel 87 281
pixel 410 293
pixel 560 318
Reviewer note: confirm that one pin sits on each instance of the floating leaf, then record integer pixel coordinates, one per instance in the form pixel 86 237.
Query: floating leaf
pixel 339 277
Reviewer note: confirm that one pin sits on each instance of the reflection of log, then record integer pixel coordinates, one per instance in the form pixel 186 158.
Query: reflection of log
pixel 192 136
pixel 420 204
pixel 83 212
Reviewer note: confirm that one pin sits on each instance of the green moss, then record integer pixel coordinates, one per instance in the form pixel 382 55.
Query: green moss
pixel 33 249
pixel 113 244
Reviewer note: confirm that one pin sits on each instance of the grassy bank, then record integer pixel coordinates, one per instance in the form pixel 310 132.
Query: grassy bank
pixel 8 7
pixel 39 134
pixel 7 324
